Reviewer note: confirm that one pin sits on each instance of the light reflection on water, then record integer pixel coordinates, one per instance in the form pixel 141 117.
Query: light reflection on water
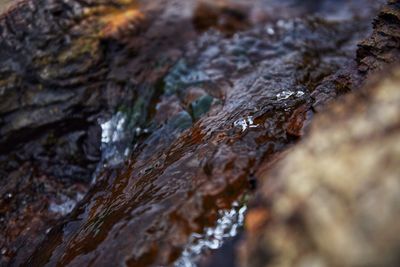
pixel 115 140
pixel 112 135
pixel 227 226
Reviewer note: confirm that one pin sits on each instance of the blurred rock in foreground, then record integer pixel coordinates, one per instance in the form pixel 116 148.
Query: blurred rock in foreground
pixel 334 199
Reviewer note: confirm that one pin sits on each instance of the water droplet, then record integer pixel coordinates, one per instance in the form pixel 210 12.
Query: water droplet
pixel 138 130
pixel 270 30
pixel 241 123
pixel 245 123
pixel 287 94
pixel 284 95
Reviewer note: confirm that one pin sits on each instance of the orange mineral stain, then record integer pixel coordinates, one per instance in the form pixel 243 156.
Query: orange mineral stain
pixel 120 20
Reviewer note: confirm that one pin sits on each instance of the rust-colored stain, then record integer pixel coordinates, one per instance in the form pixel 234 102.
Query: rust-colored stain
pixel 117 21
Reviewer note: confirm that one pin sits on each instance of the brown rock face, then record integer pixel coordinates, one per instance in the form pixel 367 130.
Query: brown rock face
pixel 333 200
pixel 60 72
pixel 383 46
pixel 177 180
pixel 63 65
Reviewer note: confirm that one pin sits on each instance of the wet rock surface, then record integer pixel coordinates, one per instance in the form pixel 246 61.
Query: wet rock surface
pixel 58 77
pixel 201 103
pixel 333 199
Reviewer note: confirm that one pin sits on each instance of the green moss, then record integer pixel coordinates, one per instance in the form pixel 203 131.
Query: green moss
pixel 181 76
pixel 201 106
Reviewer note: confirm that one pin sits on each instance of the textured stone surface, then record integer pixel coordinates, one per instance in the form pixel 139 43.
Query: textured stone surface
pixel 333 200
pixel 243 96
pixel 60 71
pixel 143 214
pixel 383 46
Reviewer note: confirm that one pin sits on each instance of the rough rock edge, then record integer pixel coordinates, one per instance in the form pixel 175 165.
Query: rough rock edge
pixel 383 46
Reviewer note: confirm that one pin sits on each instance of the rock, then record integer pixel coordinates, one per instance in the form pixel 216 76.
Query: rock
pixel 60 72
pixel 63 66
pixel 66 64
pixel 333 199
pixel 383 45
pixel 178 178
